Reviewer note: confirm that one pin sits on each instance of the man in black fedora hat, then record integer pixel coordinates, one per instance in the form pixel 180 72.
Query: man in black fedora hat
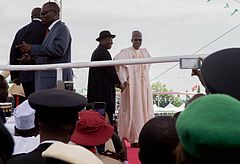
pixel 102 80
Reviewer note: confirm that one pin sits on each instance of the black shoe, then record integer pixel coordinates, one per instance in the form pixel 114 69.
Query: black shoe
pixel 135 145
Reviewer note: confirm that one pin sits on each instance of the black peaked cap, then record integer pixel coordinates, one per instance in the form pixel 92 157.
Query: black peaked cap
pixel 221 72
pixel 57 106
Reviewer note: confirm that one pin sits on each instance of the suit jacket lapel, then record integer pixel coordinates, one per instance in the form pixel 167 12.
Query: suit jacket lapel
pixel 51 32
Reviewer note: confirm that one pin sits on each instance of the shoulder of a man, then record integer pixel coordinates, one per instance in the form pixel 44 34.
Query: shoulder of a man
pixel 20 32
pixel 33 157
pixel 62 26
pixel 18 159
pixel 123 54
pixel 145 52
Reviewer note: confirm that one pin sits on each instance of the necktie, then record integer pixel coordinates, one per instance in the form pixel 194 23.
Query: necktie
pixel 46 33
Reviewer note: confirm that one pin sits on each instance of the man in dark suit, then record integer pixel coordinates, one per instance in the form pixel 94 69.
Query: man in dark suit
pixel 56 48
pixel 33 33
pixel 56 115
pixel 102 80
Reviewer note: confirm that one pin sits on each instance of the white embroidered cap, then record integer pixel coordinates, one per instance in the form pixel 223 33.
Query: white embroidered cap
pixel 24 116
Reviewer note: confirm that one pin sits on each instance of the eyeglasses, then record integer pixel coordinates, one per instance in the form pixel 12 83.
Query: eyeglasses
pixel 46 12
pixel 135 40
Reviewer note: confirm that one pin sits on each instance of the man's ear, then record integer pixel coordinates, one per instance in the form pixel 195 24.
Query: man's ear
pixel 132 40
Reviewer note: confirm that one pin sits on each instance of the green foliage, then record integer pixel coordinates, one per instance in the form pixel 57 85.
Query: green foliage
pixel 162 100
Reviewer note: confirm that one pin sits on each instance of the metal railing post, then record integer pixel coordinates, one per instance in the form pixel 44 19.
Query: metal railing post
pixel 59 74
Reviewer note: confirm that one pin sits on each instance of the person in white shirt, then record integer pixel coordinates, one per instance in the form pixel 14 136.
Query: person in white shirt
pixel 136 102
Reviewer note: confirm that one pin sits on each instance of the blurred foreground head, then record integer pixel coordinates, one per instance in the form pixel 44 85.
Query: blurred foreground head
pixel 56 112
pixel 208 130
pixel 91 129
pixel 221 72
pixel 158 140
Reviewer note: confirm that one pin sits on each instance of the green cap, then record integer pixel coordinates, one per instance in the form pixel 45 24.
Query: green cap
pixel 210 127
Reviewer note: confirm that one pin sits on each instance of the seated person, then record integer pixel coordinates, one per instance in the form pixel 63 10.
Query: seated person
pixel 92 130
pixel 158 140
pixel 208 130
pixel 25 132
pixel 56 113
pixel 119 147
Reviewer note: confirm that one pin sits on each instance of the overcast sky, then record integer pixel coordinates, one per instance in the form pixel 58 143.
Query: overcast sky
pixel 169 27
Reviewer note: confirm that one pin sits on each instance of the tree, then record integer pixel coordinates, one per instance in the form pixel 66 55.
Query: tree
pixel 162 100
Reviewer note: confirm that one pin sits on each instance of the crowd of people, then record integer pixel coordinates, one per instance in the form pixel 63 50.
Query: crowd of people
pixel 60 126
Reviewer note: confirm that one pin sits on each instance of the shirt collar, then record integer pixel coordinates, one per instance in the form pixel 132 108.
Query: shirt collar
pixel 51 26
pixel 37 19
pixel 50 141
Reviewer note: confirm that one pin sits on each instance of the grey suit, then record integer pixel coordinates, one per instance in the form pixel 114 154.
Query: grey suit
pixel 56 48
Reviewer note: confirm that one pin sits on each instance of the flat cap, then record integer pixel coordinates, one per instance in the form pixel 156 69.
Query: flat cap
pixel 209 128
pixel 221 72
pixel 57 106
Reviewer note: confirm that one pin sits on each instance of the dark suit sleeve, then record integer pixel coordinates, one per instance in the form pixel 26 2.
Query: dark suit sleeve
pixel 15 53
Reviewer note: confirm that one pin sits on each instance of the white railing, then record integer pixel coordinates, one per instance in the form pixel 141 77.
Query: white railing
pixel 59 67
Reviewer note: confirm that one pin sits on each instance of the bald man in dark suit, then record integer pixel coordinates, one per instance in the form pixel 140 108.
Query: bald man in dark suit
pixel 33 33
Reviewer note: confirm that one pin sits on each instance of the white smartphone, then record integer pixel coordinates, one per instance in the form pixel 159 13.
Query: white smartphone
pixel 190 63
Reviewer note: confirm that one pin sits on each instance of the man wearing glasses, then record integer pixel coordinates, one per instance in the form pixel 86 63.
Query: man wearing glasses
pixel 136 104
pixel 56 48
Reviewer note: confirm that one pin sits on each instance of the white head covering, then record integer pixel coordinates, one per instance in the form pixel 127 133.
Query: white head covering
pixel 24 116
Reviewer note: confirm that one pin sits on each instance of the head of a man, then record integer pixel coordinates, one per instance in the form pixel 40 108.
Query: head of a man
pixel 36 13
pixel 107 42
pixel 24 117
pixel 49 13
pixel 219 72
pixel 158 140
pixel 106 39
pixel 91 129
pixel 136 39
pixel 56 112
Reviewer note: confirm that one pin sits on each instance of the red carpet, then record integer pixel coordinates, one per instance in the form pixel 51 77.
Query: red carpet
pixel 132 154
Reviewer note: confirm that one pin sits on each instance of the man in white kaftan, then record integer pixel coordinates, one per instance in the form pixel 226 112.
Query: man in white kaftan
pixel 136 103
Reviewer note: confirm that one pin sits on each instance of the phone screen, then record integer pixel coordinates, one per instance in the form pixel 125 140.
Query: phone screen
pixel 190 63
